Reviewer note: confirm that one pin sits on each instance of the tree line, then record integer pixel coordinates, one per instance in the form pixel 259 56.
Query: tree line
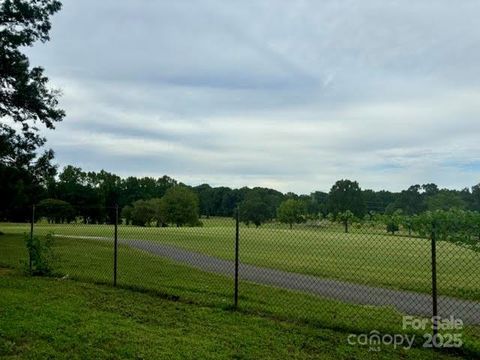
pixel 94 195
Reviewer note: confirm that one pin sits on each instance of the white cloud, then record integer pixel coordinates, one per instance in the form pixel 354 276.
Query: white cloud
pixel 292 95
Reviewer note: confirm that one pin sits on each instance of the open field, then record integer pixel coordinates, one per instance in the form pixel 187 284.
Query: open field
pixel 47 318
pixel 364 256
pixel 90 260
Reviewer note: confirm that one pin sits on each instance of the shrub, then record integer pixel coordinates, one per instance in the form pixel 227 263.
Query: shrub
pixel 42 257
pixel 198 223
pixel 392 227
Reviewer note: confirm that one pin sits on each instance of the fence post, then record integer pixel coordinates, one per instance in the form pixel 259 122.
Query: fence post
pixel 32 221
pixel 237 239
pixel 115 247
pixel 434 284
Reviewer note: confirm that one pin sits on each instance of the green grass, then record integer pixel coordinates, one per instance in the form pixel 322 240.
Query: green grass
pixel 90 260
pixel 367 256
pixel 48 318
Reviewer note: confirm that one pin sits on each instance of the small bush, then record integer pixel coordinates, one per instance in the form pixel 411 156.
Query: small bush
pixel 392 228
pixel 42 257
pixel 198 223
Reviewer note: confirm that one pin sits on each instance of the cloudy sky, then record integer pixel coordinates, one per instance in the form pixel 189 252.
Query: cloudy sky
pixel 287 94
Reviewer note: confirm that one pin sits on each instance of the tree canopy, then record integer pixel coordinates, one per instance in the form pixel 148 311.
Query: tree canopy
pixel 346 195
pixel 180 206
pixel 254 210
pixel 55 211
pixel 26 101
pixel 291 212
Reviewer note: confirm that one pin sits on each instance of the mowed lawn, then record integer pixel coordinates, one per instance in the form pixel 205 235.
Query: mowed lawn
pixel 92 261
pixel 48 318
pixel 365 255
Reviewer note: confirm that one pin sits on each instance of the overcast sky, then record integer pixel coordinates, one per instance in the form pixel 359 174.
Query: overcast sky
pixel 286 94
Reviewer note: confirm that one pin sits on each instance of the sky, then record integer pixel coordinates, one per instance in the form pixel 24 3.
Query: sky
pixel 292 95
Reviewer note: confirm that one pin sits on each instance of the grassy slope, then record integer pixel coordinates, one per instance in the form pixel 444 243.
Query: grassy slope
pixel 89 260
pixel 364 256
pixel 48 318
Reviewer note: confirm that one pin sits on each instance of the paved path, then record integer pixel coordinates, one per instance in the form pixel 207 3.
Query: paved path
pixel 407 302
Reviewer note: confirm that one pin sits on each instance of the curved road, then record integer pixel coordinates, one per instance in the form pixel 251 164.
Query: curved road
pixel 407 302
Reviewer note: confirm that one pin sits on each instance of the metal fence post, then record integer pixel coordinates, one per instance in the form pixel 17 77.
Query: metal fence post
pixel 115 247
pixel 237 239
pixel 434 284
pixel 32 221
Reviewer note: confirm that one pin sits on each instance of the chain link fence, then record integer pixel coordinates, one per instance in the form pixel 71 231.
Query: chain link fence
pixel 360 281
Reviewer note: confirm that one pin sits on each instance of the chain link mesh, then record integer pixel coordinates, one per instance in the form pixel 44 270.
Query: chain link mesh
pixel 314 272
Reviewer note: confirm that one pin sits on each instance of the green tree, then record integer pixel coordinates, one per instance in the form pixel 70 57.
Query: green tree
pixel 346 195
pixel 180 206
pixel 160 216
pixel 55 211
pixel 76 187
pixel 430 189
pixel 346 218
pixel 254 210
pixel 26 100
pixel 108 187
pixel 475 198
pixel 270 199
pixel 204 193
pixel 317 204
pixel 411 201
pixel 393 221
pixel 407 222
pixel 391 208
pixel 445 200
pixel 458 226
pixel 291 212
pixel 143 213
pixel 126 214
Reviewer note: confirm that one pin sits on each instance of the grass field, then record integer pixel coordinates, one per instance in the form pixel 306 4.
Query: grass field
pixel 47 318
pixel 367 256
pixel 91 261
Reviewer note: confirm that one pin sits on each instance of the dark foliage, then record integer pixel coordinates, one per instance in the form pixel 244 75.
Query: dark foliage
pixel 42 257
pixel 25 101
